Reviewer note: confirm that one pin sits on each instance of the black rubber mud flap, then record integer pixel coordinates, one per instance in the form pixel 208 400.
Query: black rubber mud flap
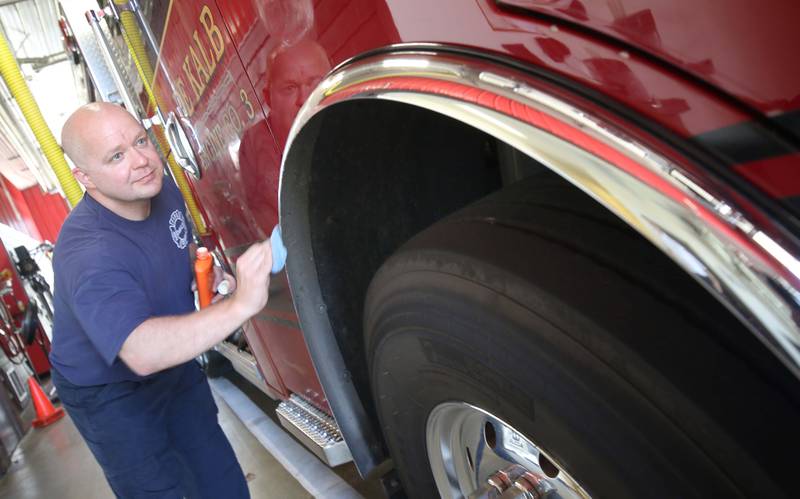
pixel 541 308
pixel 214 364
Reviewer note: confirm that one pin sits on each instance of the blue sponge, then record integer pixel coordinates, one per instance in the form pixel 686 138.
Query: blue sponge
pixel 278 250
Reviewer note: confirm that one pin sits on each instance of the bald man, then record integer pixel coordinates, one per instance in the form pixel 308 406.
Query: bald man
pixel 126 331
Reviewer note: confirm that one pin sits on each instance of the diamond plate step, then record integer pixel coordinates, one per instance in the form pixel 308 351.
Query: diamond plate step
pixel 315 429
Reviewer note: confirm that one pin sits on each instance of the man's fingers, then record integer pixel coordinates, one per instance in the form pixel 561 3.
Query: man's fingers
pixel 219 275
pixel 231 282
pixel 255 252
pixel 258 255
pixel 255 263
pixel 253 275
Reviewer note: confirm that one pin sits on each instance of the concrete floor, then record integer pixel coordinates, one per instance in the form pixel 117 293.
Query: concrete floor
pixel 368 489
pixel 55 462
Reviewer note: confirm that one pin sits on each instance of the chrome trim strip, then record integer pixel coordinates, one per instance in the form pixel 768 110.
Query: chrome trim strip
pixel 753 270
pixel 244 364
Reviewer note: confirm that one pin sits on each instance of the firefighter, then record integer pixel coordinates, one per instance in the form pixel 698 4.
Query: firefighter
pixel 126 331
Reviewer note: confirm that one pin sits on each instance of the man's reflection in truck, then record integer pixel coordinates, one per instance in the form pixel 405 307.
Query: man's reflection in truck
pixel 293 72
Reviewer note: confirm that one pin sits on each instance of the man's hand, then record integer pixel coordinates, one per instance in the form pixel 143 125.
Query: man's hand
pixel 162 342
pixel 252 278
pixel 220 276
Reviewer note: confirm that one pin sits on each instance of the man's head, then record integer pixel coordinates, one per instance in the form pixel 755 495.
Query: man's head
pixel 294 73
pixel 113 158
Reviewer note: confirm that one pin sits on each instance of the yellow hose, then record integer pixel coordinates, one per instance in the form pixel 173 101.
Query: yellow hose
pixel 133 38
pixel 52 151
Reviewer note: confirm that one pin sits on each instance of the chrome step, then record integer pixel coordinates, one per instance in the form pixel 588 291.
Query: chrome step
pixel 315 429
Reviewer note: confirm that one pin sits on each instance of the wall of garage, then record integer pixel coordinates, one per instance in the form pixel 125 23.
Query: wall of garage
pixel 32 211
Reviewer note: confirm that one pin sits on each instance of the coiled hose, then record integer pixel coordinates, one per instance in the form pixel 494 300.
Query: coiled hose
pixel 33 115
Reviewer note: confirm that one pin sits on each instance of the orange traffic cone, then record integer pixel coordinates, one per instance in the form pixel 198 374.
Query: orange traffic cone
pixel 45 412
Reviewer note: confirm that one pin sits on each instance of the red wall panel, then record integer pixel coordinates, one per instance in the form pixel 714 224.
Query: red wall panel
pixel 49 211
pixel 32 211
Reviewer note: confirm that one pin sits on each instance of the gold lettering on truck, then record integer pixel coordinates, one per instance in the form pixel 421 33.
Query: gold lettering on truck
pixel 183 100
pixel 210 63
pixel 212 31
pixel 198 90
pixel 199 68
pixel 200 60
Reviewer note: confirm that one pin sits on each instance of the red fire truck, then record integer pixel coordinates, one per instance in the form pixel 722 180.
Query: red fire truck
pixel 535 246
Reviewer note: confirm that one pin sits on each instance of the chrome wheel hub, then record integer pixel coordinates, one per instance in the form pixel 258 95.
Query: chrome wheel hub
pixel 473 453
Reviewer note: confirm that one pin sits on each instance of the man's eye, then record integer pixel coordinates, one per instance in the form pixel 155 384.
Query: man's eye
pixel 142 141
pixel 116 156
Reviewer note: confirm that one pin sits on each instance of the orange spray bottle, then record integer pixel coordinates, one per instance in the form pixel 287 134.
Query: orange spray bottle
pixel 204 275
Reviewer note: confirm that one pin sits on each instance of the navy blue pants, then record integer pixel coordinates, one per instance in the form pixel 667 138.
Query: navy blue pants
pixel 157 438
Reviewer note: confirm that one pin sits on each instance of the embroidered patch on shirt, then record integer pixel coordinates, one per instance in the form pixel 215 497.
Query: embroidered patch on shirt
pixel 178 229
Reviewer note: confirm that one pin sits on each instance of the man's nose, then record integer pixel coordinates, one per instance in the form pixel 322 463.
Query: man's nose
pixel 139 158
pixel 301 95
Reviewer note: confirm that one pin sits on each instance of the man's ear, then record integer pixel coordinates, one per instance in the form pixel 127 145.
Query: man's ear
pixel 81 177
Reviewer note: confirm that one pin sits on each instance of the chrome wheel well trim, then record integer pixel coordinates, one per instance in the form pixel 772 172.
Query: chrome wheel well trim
pixel 752 269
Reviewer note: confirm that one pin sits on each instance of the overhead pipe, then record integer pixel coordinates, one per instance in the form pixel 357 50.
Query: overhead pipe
pixel 33 115
pixel 22 141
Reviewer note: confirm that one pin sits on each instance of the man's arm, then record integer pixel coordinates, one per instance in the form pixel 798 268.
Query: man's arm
pixel 163 342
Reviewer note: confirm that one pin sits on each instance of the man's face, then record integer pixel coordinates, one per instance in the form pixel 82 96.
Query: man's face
pixel 294 74
pixel 119 163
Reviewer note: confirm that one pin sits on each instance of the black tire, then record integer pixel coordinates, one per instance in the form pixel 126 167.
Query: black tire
pixel 539 307
pixel 30 323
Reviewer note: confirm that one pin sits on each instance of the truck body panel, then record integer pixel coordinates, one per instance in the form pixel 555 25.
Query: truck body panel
pixel 700 109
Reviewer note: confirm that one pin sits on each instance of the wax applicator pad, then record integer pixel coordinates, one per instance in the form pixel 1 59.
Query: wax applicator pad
pixel 278 250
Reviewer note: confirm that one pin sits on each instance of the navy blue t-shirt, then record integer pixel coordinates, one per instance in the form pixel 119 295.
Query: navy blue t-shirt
pixel 112 274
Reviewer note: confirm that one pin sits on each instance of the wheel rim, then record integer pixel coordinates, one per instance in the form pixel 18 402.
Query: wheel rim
pixel 467 446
